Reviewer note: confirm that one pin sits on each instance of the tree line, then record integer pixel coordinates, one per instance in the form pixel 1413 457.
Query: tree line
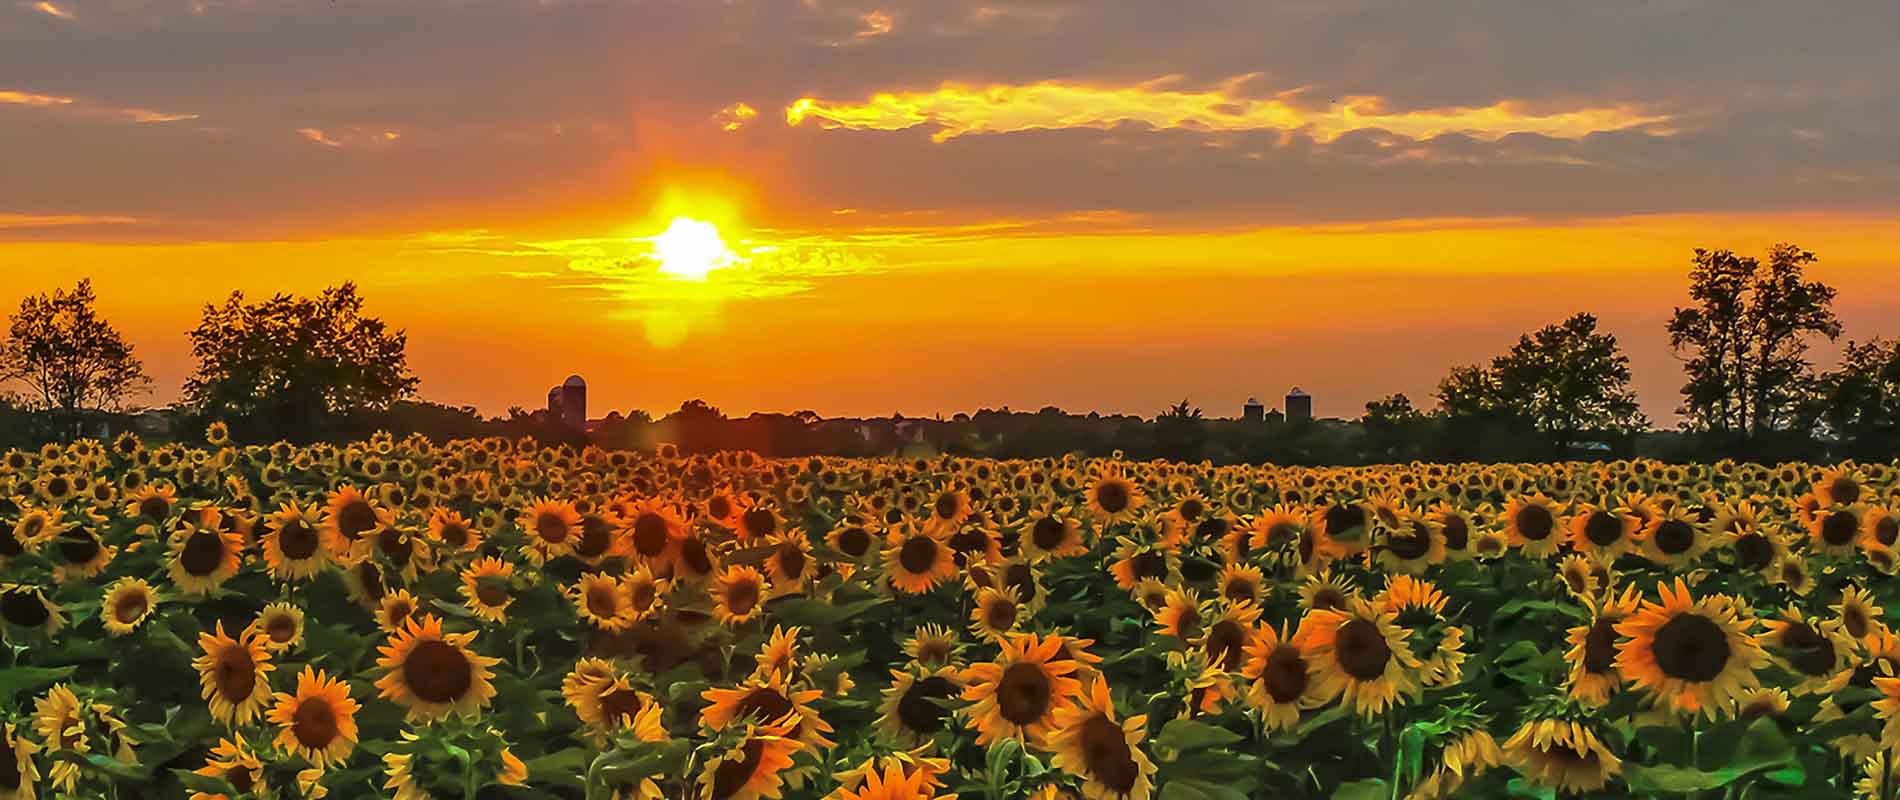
pixel 318 368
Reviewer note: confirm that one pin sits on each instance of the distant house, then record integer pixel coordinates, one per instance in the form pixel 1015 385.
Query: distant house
pixel 1253 411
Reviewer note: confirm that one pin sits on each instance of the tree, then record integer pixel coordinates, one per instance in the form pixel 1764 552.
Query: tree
pixel 293 367
pixel 1744 342
pixel 1563 380
pixel 1180 433
pixel 69 358
pixel 1393 427
pixel 1859 402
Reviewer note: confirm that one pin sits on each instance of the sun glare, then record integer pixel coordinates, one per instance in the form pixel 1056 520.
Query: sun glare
pixel 691 249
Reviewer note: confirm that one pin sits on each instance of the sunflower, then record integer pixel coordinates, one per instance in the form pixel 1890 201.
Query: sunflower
pixel 1016 695
pixel 37 526
pixel 27 607
pixel 934 646
pixel 1327 591
pixel 602 601
pixel 852 539
pixel 612 704
pixel 232 762
pixel 1790 571
pixel 1762 703
pixel 1562 754
pixel 453 531
pixel 1469 753
pixel 1242 583
pixel 485 588
pixel 1283 681
pixel 646 594
pixel 279 627
pixel 996 613
pixel 394 610
pixel 1755 549
pixel 18 772
pixel 1856 615
pixel 318 722
pixel 1880 772
pixel 1135 561
pixel 349 514
pixel 1880 527
pixel 80 555
pixel 1180 614
pixel 1224 642
pixel 1531 524
pixel 1053 535
pixel 1410 543
pixel 552 528
pixel 1437 645
pixel 790 563
pixel 1835 530
pixel 1456 527
pixel 1592 655
pixel 57 719
pixel 1674 537
pixel 296 547
pixel 1089 743
pixel 1604 533
pixel 738 595
pixel 1112 498
pixel 233 675
pixel 915 560
pixel 768 700
pixel 1582 576
pixel 753 768
pixel 1693 656
pixel 126 604
pixel 1359 653
pixel 1839 486
pixel 915 707
pixel 896 783
pixel 203 557
pixel 433 674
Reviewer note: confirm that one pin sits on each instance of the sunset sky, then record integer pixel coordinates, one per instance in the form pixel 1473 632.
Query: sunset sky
pixel 940 205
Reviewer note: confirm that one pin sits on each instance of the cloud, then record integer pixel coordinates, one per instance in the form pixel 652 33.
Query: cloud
pixel 735 116
pixel 876 23
pixel 9 97
pixel 18 221
pixel 88 109
pixel 959 109
pixel 352 136
pixel 49 9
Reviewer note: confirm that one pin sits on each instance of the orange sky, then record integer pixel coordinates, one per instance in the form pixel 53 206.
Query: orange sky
pixel 941 205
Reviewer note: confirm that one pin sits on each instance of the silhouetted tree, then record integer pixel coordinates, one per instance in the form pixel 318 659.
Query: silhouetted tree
pixel 1180 433
pixel 1393 428
pixel 290 367
pixel 69 358
pixel 1562 380
pixel 1746 339
pixel 1859 402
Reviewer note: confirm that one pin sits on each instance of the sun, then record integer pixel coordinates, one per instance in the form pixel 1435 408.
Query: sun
pixel 691 249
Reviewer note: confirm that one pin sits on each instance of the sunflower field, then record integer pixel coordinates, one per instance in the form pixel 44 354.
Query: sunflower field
pixel 495 619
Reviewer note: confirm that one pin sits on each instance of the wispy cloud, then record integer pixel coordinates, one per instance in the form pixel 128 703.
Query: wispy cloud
pixel 959 109
pixel 52 10
pixel 17 98
pixel 735 116
pixel 73 105
pixel 876 23
pixel 17 221
pixel 353 136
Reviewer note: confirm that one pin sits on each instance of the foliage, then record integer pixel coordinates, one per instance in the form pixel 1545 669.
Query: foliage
pixel 1859 401
pixel 69 358
pixel 1565 380
pixel 1746 339
pixel 292 366
pixel 620 624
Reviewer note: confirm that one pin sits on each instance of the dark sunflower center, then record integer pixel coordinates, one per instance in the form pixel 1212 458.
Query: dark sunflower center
pixel 693 554
pixel 371 578
pixel 765 705
pixel 281 629
pixel 1839 528
pixel 650 534
pixel 1691 647
pixel 1603 528
pixel 492 593
pixel 1674 537
pixel 596 537
pixel 643 595
pixel 78 547
pixel 10 777
pixel 1809 652
pixel 1599 646
pixel 917 555
pixel 315 724
pixel 355 518
pixel 1887 530
pixel 551 528
pixel 455 534
pixel 1329 598
pixel 1023 693
pixel 1361 649
pixel 1285 675
pixel 1753 552
pixel 1238 588
pixel 854 541
pixel 742 595
pixel 791 560
pixel 1000 614
pixel 130 607
pixel 948 506
pixel 297 540
pixel 1457 532
pixel 620 704
pixel 1844 491
pixel 202 554
pixel 603 601
pixel 396 546
pixel 734 773
pixel 759 522
pixel 240 779
pixel 1105 753
pixel 969 540
pixel 1535 523
pixel 236 674
pixel 919 710
pixel 1191 509
pixel 1854 620
pixel 1226 643
pixel 437 672
pixel 155 508
pixel 1411 546
pixel 1150 564
pixel 1112 496
pixel 9 544
pixel 24 609
pixel 1342 520
pixel 1211 528
pixel 719 507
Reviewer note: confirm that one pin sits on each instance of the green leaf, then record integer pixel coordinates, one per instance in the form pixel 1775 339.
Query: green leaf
pixel 560 768
pixel 205 783
pixel 1368 789
pixel 1185 735
pixel 1191 789
pixel 15 681
pixel 806 612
